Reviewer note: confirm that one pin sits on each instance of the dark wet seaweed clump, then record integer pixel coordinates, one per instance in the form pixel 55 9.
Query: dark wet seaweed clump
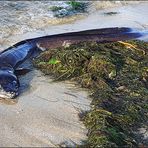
pixel 116 74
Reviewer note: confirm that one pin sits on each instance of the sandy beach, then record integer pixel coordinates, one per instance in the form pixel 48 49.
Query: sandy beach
pixel 46 113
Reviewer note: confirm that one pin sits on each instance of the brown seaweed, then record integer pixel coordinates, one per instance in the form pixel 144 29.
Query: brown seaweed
pixel 117 76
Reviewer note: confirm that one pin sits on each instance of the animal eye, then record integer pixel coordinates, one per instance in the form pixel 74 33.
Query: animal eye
pixel 14 83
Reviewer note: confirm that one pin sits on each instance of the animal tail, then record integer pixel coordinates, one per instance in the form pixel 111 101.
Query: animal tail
pixel 121 36
pixel 107 35
pixel 103 31
pixel 144 34
pixel 98 35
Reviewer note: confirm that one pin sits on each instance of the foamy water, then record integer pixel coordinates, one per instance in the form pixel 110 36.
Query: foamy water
pixel 24 16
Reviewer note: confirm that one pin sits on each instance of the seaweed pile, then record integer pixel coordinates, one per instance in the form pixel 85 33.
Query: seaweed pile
pixel 116 74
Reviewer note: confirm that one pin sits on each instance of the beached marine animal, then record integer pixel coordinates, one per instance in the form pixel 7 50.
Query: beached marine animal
pixel 14 56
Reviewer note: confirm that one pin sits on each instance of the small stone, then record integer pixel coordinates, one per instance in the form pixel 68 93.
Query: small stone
pixel 121 88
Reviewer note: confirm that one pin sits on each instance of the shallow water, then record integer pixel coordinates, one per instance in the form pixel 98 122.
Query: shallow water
pixel 46 113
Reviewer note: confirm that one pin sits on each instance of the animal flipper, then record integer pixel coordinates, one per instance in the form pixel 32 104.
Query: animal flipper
pixel 22 71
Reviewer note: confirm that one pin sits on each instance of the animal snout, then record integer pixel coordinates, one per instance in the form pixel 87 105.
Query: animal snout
pixel 10 89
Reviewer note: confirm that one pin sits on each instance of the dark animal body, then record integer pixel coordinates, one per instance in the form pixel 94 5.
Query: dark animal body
pixel 15 55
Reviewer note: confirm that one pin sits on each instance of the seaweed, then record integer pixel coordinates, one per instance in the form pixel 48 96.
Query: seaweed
pixel 111 13
pixel 79 6
pixel 55 8
pixel 73 7
pixel 116 74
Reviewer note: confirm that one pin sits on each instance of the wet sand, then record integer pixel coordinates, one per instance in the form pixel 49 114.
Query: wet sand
pixel 46 113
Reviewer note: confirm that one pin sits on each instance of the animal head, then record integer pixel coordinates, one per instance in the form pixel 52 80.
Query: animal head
pixel 8 85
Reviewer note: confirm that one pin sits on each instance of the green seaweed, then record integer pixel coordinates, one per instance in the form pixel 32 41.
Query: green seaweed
pixel 117 76
pixel 55 8
pixel 73 7
pixel 76 5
